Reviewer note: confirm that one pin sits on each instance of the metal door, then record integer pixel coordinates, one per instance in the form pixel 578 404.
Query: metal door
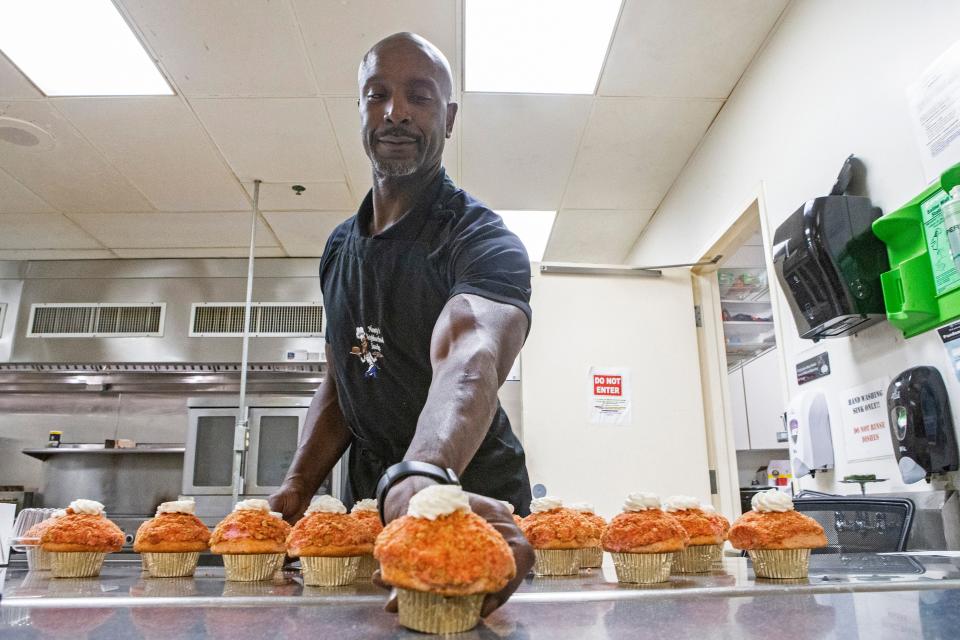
pixel 274 434
pixel 208 460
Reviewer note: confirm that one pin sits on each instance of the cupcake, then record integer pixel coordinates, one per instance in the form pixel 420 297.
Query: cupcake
pixel 557 534
pixel 591 557
pixel 723 524
pixel 369 516
pixel 443 559
pixel 705 535
pixel 171 541
pixel 79 541
pixel 252 540
pixel 329 543
pixel 516 519
pixel 777 538
pixel 643 540
pixel 37 558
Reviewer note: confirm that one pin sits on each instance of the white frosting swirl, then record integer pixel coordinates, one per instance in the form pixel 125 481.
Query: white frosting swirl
pixel 641 502
pixel 680 503
pixel 325 504
pixel 367 504
pixel 253 504
pixel 438 500
pixel 771 500
pixel 508 505
pixel 59 513
pixel 582 507
pixel 91 507
pixel 546 503
pixel 276 514
pixel 708 508
pixel 177 506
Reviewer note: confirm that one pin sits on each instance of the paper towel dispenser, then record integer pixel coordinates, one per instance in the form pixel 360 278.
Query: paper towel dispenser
pixel 810 436
pixel 828 262
pixel 921 424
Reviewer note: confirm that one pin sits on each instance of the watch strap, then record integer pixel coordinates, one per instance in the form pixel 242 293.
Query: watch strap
pixel 397 472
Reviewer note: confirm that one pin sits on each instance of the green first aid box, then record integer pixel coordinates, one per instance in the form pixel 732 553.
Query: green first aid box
pixel 922 289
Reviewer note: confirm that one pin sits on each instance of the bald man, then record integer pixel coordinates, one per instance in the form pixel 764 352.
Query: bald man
pixel 427 296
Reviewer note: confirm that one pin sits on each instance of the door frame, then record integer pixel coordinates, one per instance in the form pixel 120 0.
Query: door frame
pixel 718 416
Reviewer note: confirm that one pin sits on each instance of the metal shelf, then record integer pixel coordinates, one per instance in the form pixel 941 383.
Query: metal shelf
pixel 99 449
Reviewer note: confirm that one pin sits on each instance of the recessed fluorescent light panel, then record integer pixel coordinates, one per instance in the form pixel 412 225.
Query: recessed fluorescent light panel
pixel 77 48
pixel 533 228
pixel 537 46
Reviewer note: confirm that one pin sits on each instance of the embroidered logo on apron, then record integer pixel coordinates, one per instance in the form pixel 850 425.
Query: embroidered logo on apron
pixel 369 350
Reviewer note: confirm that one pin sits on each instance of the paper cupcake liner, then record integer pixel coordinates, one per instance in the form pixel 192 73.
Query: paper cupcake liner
pixel 694 559
pixel 322 571
pixel 642 568
pixel 591 557
pixel 556 562
pixel 171 565
pixel 717 550
pixel 780 564
pixel 368 564
pixel 76 564
pixel 38 559
pixel 431 613
pixel 251 567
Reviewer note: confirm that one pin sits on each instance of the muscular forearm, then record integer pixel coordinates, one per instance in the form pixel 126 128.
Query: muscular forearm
pixel 459 408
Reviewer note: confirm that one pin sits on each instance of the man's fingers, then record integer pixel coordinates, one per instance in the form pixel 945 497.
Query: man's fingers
pixel 391 606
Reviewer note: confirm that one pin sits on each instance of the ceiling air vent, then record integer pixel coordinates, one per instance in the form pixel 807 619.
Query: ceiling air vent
pixel 96 320
pixel 267 319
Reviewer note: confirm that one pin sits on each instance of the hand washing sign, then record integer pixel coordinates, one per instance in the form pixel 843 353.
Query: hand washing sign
pixel 865 432
pixel 609 395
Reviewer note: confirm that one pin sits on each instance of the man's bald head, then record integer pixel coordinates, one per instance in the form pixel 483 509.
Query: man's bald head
pixel 406 42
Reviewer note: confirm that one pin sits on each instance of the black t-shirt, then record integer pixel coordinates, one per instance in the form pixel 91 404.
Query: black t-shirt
pixel 382 296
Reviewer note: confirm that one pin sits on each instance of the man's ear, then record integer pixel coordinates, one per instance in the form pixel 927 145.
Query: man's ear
pixel 451 116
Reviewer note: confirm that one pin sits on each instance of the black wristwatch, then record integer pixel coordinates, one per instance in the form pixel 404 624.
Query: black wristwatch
pixel 396 473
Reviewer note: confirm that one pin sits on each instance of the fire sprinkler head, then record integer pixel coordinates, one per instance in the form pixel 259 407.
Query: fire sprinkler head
pixel 298 189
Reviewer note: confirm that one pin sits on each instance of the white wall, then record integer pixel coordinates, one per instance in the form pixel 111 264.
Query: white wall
pixel 831 81
pixel 646 325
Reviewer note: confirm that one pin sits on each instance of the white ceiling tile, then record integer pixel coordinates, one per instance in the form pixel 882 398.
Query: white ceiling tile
pixel 16 198
pixel 337 33
pixel 600 237
pixel 160 147
pixel 633 150
pixel 173 230
pixel 319 196
pixel 56 254
pixel 305 233
pixel 72 176
pixel 276 140
pixel 685 48
pixel 518 149
pixel 208 252
pixel 226 47
pixel 42 231
pixel 346 124
pixel 14 84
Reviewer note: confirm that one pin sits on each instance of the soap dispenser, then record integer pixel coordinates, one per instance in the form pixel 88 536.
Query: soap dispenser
pixel 951 220
pixel 921 424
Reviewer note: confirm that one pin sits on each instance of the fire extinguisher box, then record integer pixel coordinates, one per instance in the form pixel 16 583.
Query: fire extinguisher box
pixel 922 289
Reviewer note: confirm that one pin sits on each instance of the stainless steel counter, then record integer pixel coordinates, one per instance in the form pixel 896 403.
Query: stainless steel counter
pixel 857 596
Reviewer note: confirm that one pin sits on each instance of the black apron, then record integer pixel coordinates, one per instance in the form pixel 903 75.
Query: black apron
pixel 382 297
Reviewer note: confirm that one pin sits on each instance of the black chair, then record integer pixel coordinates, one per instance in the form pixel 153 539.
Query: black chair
pixel 860 525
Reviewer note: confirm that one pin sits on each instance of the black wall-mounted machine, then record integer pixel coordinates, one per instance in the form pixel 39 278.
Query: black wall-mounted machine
pixel 828 262
pixel 921 424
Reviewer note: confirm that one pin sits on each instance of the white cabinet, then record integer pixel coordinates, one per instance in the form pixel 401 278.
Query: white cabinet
pixel 738 410
pixel 763 393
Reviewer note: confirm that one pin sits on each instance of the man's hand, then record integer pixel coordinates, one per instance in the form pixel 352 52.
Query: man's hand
pixel 291 499
pixel 489 509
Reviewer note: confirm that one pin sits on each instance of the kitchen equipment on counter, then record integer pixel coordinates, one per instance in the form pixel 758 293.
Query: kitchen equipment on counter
pixel 808 426
pixel 779 475
pixel 829 261
pixel 921 424
pixel 17 495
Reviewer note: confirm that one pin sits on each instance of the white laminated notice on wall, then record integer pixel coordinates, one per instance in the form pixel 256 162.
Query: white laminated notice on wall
pixel 935 103
pixel 866 435
pixel 610 395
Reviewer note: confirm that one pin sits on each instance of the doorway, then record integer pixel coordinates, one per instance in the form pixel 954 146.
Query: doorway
pixel 742 370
